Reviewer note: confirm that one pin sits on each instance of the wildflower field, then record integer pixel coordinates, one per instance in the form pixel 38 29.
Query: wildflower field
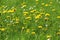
pixel 29 19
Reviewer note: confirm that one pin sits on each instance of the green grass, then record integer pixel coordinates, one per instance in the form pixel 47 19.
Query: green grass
pixel 10 30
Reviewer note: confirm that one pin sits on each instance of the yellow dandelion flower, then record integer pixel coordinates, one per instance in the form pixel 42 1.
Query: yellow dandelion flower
pixel 25 13
pixel 23 28
pixel 39 26
pixel 23 6
pixel 28 18
pixel 2 29
pixel 37 0
pixel 4 11
pixel 46 5
pixel 36 21
pixel 42 3
pixel 58 16
pixel 17 19
pixel 33 11
pixel 23 3
pixel 58 33
pixel 28 30
pixel 48 36
pixel 12 10
pixel 8 16
pixel 53 10
pixel 38 16
pixel 46 18
pixel 33 33
pixel 47 14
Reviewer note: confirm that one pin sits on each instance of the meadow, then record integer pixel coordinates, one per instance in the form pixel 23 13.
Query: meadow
pixel 29 19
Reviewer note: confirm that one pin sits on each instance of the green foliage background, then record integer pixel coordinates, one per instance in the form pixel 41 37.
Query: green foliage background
pixel 17 31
